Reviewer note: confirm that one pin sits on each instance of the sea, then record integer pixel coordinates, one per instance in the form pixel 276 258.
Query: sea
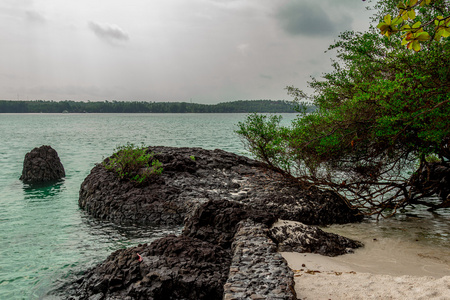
pixel 47 241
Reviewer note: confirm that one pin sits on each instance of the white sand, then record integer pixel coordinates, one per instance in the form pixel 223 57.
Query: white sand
pixel 324 278
pixel 386 268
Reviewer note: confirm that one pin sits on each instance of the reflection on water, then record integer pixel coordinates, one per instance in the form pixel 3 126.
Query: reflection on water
pixel 124 235
pixel 42 191
pixel 93 243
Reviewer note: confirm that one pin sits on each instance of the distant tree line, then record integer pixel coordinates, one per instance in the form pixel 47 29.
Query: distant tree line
pixel 241 106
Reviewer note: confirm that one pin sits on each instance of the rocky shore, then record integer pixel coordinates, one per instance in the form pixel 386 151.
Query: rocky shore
pixel 192 176
pixel 229 205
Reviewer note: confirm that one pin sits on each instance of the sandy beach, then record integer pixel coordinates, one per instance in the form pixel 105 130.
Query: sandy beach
pixel 319 277
pixel 386 268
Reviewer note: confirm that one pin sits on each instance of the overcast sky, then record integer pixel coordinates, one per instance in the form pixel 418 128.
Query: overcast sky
pixel 204 51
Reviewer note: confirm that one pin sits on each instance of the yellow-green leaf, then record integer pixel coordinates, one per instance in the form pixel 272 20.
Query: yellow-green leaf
pixel 387 19
pixel 439 21
pixel 406 27
pixel 412 14
pixel 446 32
pixel 396 21
pixel 422 36
pixel 416 46
pixel 382 26
pixel 417 24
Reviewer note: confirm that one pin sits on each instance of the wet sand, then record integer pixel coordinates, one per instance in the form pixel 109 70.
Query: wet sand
pixel 388 267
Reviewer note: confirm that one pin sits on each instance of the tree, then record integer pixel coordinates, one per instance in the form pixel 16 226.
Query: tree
pixel 382 117
pixel 410 22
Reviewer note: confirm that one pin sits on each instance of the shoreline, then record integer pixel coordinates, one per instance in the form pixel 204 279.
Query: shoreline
pixel 323 278
pixel 385 268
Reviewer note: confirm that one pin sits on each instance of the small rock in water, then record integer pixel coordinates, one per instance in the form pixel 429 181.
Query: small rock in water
pixel 42 165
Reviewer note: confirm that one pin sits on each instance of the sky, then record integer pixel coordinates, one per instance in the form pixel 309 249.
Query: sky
pixel 201 51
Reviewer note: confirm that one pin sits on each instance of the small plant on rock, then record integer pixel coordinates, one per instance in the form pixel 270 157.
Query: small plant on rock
pixel 133 163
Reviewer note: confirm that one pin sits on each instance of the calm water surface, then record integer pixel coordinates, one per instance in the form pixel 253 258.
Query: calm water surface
pixel 46 240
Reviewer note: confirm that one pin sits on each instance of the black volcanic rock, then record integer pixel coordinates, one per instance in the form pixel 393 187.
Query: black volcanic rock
pixel 224 200
pixel 193 176
pixel 169 268
pixel 217 221
pixel 301 238
pixel 42 165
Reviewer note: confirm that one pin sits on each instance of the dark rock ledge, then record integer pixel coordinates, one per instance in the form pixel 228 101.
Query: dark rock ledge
pixel 228 248
pixel 192 176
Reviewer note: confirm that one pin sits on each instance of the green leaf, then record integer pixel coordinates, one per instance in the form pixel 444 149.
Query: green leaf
pixel 397 21
pixel 417 24
pixel 412 14
pixel 416 45
pixel 446 32
pixel 423 36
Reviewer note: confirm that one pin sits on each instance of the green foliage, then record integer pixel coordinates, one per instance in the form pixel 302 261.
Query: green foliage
pixel 264 138
pixel 433 158
pixel 192 157
pixel 133 163
pixel 380 110
pixel 409 23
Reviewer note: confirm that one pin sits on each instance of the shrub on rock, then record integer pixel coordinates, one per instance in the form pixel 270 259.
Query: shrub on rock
pixel 133 163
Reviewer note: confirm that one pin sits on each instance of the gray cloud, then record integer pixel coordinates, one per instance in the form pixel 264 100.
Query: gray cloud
pixel 109 32
pixel 303 18
pixel 35 17
pixel 69 90
pixel 207 50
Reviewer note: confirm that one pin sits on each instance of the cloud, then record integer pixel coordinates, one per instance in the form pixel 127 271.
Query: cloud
pixel 264 76
pixel 243 49
pixel 303 18
pixel 66 91
pixel 35 17
pixel 109 32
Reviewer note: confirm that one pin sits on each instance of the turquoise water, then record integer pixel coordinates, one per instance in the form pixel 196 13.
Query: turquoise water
pixel 46 240
pixel 44 237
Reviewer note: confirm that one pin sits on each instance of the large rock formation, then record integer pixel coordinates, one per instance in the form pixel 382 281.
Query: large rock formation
pixel 42 165
pixel 169 268
pixel 192 176
pixel 225 252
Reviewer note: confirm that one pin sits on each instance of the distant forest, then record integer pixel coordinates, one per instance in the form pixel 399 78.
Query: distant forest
pixel 242 106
